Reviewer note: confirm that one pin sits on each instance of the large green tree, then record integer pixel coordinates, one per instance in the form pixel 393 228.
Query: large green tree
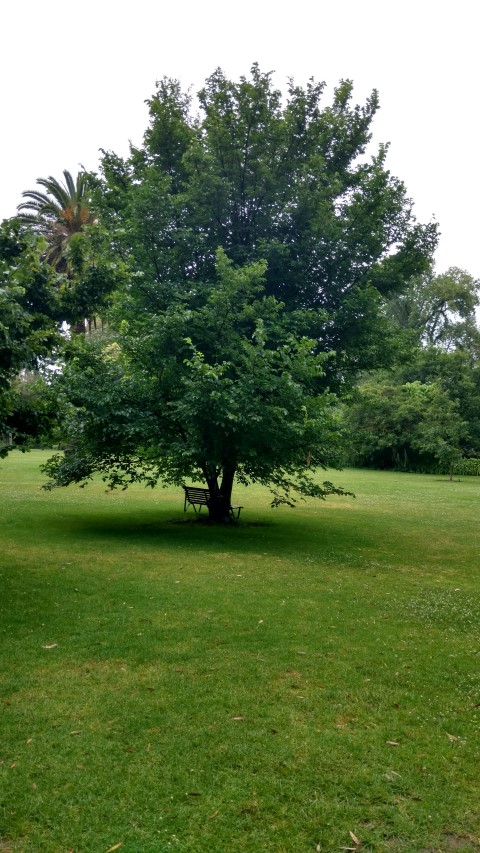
pixel 260 243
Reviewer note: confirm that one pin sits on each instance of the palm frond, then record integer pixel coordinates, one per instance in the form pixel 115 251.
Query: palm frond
pixel 62 210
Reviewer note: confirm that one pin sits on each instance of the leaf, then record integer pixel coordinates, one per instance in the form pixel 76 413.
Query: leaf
pixel 50 646
pixel 393 743
pixel 452 738
pixel 213 815
pixel 391 774
pixel 238 718
pixel 355 839
pixel 76 732
pixel 115 847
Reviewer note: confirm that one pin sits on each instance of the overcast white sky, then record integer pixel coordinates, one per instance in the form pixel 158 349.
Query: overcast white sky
pixel 74 79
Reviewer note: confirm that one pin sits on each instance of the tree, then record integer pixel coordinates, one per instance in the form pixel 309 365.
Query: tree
pixel 437 316
pixel 214 386
pixel 28 325
pixel 408 427
pixel 64 216
pixel 63 210
pixel 440 310
pixel 260 244
pixel 457 373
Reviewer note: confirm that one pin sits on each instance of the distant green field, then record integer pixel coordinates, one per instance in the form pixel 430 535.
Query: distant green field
pixel 304 681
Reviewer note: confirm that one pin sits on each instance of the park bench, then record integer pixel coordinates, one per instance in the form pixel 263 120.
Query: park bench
pixel 196 496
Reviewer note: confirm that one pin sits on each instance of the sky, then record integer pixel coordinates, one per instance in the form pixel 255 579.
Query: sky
pixel 75 77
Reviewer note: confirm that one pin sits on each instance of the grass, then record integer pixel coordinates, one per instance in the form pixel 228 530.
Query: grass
pixel 304 681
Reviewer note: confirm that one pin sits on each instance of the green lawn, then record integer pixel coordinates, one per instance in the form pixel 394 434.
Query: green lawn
pixel 307 678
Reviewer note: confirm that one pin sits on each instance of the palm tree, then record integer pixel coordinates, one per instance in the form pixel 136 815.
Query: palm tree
pixel 58 213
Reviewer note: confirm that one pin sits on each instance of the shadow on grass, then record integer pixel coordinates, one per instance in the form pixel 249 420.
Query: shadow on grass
pixel 286 535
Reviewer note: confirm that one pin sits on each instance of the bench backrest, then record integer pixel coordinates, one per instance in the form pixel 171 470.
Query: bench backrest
pixel 197 495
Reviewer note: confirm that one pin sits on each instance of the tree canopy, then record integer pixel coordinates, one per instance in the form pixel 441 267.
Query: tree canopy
pixel 258 243
pixel 281 179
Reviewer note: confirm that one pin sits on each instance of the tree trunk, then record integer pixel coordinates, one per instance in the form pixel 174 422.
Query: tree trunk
pixel 221 496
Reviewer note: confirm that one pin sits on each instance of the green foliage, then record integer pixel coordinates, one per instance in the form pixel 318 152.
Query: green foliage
pixel 91 277
pixel 468 467
pixel 441 345
pixel 283 180
pixel 64 209
pixel 413 426
pixel 439 310
pixel 29 308
pixel 458 374
pixel 36 412
pixel 214 385
pixel 76 246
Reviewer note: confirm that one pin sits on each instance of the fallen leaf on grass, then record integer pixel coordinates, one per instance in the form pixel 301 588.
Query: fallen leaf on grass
pixel 50 646
pixel 238 718
pixel 355 839
pixel 76 732
pixel 393 743
pixel 115 847
pixel 452 738
pixel 213 815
